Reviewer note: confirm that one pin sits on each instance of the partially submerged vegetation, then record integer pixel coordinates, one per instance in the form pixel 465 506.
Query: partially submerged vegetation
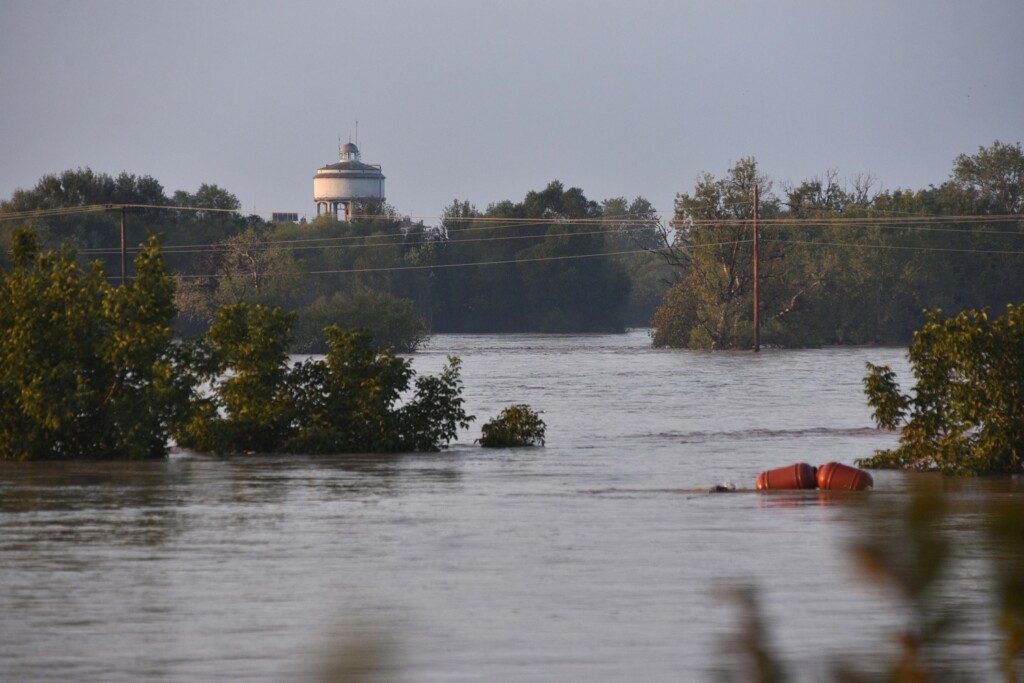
pixel 841 263
pixel 87 369
pixel 964 415
pixel 347 402
pixel 92 370
pixel 517 425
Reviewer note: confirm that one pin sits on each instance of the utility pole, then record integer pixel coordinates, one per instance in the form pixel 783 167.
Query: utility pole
pixel 757 289
pixel 124 251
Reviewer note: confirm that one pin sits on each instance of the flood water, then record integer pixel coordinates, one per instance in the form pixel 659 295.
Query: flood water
pixel 596 558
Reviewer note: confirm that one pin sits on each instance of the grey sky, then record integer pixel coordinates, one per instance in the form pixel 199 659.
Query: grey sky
pixel 482 100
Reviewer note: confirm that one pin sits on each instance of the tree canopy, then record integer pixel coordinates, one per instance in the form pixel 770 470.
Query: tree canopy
pixel 348 402
pixel 839 263
pixel 86 369
pixel 964 414
pixel 90 370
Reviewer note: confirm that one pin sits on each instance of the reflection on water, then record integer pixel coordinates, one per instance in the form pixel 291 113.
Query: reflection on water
pixel 595 558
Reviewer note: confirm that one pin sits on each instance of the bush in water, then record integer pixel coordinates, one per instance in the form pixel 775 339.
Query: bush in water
pixel 517 425
pixel 964 415
pixel 87 369
pixel 347 402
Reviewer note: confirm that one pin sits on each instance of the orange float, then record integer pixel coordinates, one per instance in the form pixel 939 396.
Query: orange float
pixel 835 476
pixel 798 476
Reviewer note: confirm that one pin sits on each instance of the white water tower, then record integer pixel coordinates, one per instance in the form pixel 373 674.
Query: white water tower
pixel 345 182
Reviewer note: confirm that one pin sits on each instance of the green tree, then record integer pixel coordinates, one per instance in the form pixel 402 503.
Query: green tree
pixel 432 419
pixel 151 212
pixel 208 196
pixel 993 178
pixel 516 426
pixel 393 322
pixel 520 268
pixel 250 267
pixel 568 294
pixel 250 407
pixel 554 290
pixel 636 226
pixel 714 244
pixel 217 221
pixel 635 223
pixel 964 416
pixel 348 402
pixel 87 370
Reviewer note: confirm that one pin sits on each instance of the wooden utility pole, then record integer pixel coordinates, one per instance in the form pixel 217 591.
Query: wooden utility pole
pixel 124 251
pixel 757 288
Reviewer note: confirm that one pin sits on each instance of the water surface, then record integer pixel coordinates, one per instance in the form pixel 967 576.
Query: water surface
pixel 595 558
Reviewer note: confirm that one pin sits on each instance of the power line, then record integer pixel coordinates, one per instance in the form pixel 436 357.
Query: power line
pixel 888 217
pixel 95 208
pixel 386 269
pixel 609 225
pixel 298 245
pixel 567 257
pixel 899 247
pixel 401 238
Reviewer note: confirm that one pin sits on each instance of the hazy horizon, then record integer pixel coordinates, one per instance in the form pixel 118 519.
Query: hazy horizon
pixel 485 101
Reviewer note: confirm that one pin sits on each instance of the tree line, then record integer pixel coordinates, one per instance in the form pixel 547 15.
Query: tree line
pixel 537 265
pixel 839 263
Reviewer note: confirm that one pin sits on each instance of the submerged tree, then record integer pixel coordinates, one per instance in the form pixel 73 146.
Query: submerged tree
pixel 350 401
pixel 517 425
pixel 712 306
pixel 249 408
pixel 87 370
pixel 964 416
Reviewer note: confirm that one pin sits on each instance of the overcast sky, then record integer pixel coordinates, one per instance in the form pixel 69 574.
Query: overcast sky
pixel 486 100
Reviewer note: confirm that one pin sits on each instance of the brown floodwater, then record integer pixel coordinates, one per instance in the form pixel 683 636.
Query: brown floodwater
pixel 597 558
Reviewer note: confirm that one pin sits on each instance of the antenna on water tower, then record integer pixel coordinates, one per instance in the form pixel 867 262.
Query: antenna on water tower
pixel 346 182
pixel 357 132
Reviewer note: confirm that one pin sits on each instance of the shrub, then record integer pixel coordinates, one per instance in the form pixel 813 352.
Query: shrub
pixel 964 415
pixel 87 370
pixel 517 425
pixel 348 402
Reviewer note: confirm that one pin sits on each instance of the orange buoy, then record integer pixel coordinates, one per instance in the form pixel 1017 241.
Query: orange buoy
pixel 798 476
pixel 835 476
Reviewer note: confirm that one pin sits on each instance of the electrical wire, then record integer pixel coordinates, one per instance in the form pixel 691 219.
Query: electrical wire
pixel 401 239
pixel 388 269
pixel 610 225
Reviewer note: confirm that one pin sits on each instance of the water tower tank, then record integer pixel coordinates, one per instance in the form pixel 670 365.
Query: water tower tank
pixel 349 180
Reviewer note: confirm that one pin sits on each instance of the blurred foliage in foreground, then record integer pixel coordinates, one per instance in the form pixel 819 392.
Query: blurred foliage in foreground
pixel 905 549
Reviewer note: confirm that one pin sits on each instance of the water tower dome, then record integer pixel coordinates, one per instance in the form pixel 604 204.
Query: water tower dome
pixel 345 182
